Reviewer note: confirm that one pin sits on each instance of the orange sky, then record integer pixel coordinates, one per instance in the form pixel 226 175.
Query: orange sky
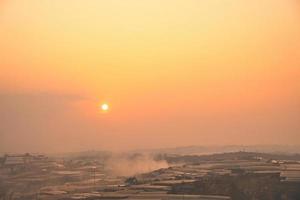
pixel 174 73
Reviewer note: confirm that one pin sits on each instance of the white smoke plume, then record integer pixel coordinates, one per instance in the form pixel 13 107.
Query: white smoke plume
pixel 126 165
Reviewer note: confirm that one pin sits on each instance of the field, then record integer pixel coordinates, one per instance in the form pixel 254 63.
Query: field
pixel 217 176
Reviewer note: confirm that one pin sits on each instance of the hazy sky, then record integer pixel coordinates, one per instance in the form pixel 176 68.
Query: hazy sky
pixel 174 72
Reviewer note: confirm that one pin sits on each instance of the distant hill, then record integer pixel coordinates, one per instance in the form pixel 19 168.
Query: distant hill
pixel 202 150
pixel 241 155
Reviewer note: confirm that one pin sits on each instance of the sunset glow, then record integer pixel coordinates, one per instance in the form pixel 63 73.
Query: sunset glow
pixel 173 72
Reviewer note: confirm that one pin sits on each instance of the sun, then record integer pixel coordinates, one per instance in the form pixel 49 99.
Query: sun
pixel 104 107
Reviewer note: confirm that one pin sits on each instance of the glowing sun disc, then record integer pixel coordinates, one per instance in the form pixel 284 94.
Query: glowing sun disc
pixel 104 107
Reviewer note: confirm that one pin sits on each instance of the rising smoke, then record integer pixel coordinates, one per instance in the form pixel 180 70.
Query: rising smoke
pixel 130 165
